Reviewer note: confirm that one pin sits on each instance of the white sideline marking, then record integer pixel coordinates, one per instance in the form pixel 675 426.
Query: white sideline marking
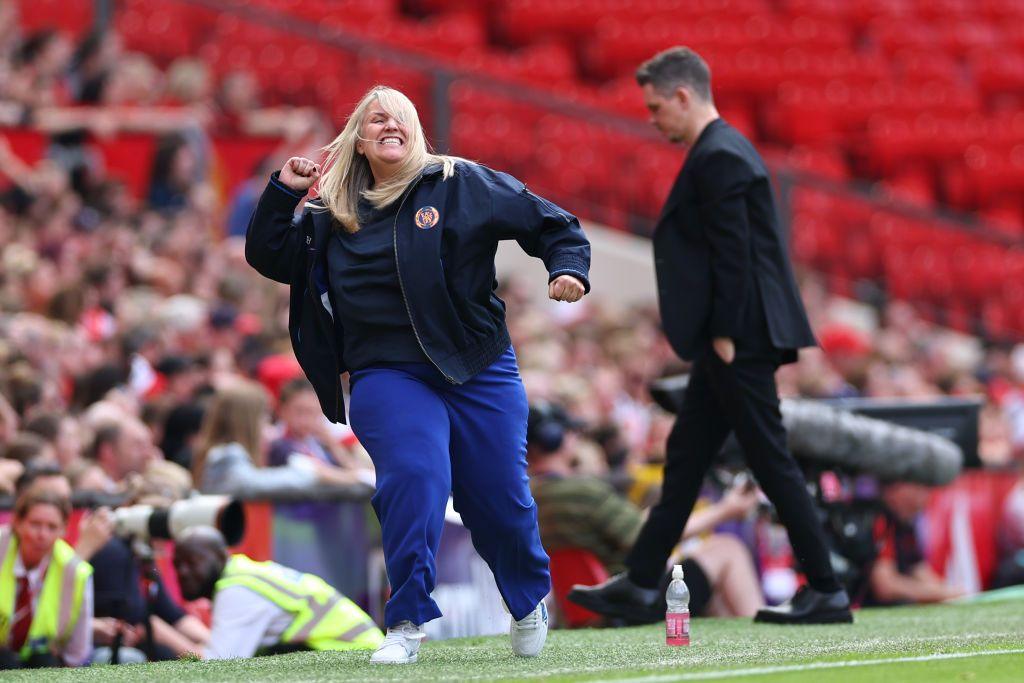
pixel 674 664
pixel 762 670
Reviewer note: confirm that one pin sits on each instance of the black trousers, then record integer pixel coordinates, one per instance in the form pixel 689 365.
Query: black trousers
pixel 720 398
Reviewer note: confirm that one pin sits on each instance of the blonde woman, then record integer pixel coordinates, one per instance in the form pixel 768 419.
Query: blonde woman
pixel 392 280
pixel 229 456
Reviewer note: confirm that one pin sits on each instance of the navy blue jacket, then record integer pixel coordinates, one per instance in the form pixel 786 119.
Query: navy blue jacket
pixel 721 257
pixel 446 234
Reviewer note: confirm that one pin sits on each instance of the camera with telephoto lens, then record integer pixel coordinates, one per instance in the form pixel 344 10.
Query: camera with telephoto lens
pixel 145 522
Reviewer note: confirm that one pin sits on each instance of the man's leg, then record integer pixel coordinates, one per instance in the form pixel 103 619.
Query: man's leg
pixel 697 436
pixel 747 393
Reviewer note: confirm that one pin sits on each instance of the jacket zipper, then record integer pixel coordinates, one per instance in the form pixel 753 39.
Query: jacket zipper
pixel 401 286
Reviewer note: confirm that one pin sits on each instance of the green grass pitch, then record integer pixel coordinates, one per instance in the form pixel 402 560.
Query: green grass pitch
pixel 981 642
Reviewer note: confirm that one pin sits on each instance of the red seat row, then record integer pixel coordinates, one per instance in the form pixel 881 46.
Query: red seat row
pixel 73 16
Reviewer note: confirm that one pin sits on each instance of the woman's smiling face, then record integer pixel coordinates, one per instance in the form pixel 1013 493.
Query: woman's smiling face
pixel 384 140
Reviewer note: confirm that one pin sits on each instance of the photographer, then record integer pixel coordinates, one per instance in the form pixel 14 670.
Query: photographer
pixel 123 608
pixel 133 607
pixel 263 607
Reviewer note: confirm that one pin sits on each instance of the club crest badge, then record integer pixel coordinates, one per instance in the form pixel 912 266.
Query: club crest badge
pixel 427 218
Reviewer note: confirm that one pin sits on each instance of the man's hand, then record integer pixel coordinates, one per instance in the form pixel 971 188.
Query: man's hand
pixel 299 173
pixel 725 349
pixel 10 470
pixel 105 629
pixel 739 500
pixel 566 288
pixel 95 529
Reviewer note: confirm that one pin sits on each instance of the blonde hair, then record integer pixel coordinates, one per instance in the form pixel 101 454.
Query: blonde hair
pixel 188 80
pixel 234 416
pixel 348 176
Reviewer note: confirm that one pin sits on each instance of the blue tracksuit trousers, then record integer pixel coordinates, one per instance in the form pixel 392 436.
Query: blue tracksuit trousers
pixel 429 438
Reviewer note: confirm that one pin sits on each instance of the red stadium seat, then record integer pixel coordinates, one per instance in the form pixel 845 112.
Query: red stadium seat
pixel 921 97
pixel 73 16
pixel 129 158
pixel 571 566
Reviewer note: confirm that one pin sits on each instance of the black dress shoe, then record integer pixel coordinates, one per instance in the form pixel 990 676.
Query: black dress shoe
pixel 809 606
pixel 620 598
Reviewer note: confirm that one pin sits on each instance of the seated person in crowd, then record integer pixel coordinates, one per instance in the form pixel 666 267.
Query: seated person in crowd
pixel 585 512
pixel 304 433
pixel 230 452
pixel 263 607
pixel 40 577
pixel 122 448
pixel 899 573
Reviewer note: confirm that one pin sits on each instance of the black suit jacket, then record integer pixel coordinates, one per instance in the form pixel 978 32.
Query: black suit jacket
pixel 720 255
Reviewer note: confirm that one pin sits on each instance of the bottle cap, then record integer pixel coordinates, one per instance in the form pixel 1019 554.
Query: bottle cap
pixel 677 571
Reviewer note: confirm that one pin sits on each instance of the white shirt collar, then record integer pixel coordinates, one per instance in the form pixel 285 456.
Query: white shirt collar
pixel 35 575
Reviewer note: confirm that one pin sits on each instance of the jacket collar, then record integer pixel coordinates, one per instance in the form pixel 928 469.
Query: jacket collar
pixel 431 170
pixel 706 132
pixel 323 219
pixel 676 194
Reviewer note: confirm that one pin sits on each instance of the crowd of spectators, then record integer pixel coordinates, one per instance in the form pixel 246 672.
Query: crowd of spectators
pixel 141 358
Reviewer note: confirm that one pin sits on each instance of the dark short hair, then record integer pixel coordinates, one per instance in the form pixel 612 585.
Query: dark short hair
pixel 108 432
pixel 293 388
pixel 46 425
pixel 24 447
pixel 674 67
pixel 29 499
pixel 34 473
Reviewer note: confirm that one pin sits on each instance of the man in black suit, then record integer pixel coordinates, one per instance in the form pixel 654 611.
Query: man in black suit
pixel 729 302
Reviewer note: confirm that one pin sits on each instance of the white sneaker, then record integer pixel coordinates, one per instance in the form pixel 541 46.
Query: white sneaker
pixel 529 633
pixel 400 645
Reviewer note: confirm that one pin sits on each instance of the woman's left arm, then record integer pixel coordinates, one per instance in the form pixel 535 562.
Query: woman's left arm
pixel 543 230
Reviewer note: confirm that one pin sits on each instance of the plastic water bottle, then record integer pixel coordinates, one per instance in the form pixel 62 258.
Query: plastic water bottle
pixel 677 616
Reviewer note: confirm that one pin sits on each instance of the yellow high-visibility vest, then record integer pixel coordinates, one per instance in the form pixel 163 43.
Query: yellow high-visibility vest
pixel 59 605
pixel 323 619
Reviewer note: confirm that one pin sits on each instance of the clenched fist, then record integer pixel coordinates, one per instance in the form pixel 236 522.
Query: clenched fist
pixel 566 288
pixel 299 173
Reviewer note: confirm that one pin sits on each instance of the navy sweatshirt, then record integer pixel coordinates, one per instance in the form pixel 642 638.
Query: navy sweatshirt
pixel 364 282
